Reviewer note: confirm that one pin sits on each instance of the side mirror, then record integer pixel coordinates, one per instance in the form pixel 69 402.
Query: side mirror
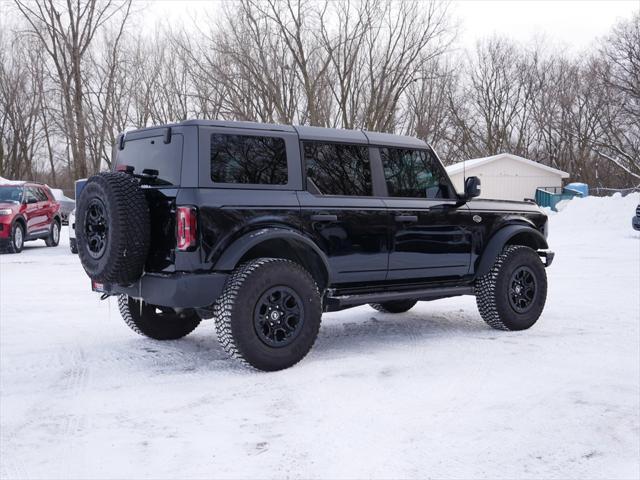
pixel 472 187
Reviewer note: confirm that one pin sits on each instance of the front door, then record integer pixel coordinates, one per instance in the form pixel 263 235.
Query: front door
pixel 339 211
pixel 430 239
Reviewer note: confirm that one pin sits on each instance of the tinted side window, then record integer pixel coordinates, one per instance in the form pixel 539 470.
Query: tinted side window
pixel 42 195
pixel 414 173
pixel 248 159
pixel 31 195
pixel 335 169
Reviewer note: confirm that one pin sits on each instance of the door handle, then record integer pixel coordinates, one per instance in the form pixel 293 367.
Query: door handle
pixel 407 218
pixel 324 217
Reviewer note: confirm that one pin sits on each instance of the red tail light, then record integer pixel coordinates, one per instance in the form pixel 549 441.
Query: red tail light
pixel 187 223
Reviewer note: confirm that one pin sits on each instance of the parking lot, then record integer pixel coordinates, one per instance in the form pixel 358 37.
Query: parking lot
pixel 430 393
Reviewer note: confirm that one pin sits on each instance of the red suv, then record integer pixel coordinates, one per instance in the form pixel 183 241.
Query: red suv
pixel 28 211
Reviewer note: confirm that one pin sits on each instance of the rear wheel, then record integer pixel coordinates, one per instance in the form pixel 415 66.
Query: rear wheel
pixel 512 295
pixel 395 306
pixel 159 323
pixel 268 315
pixel 54 235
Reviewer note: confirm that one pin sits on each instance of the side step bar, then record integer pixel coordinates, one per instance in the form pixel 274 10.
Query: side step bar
pixel 341 301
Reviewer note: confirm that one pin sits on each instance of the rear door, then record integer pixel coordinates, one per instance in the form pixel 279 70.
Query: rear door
pixel 340 212
pixel 35 212
pixel 429 238
pixel 49 205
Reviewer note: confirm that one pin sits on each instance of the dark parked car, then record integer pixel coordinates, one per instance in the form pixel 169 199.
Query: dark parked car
pixel 635 221
pixel 264 227
pixel 28 211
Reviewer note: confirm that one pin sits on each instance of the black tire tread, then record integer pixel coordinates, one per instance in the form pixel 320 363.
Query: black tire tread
pixel 398 306
pixel 157 332
pixel 485 289
pixel 129 255
pixel 223 309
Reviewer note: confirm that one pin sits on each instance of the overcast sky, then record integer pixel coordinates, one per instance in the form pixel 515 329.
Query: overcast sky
pixel 571 24
pixel 574 24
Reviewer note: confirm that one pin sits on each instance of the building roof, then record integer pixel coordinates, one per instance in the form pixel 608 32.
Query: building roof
pixel 477 162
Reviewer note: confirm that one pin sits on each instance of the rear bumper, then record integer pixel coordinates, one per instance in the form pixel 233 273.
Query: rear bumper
pixel 178 290
pixel 635 222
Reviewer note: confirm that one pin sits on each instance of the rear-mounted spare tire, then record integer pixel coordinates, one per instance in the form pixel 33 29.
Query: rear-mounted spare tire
pixel 112 228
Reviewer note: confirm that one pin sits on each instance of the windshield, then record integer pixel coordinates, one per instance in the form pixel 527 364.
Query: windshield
pixel 11 194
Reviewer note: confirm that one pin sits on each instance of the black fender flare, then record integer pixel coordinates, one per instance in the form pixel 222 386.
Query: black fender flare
pixel 232 255
pixel 501 238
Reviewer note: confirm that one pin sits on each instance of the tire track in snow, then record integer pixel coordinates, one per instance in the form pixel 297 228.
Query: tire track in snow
pixel 63 391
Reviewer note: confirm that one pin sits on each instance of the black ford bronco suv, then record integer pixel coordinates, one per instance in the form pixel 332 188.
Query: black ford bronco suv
pixel 265 227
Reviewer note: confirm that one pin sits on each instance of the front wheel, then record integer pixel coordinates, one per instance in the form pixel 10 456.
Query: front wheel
pixel 268 315
pixel 159 323
pixel 512 295
pixel 16 240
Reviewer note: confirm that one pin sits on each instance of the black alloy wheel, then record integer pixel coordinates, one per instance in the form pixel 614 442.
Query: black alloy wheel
pixel 278 316
pixel 522 289
pixel 96 228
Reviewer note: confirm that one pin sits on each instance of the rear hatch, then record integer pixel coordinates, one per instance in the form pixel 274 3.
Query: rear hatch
pixel 156 155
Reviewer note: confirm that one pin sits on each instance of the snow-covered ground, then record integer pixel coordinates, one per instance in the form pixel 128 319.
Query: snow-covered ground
pixel 433 393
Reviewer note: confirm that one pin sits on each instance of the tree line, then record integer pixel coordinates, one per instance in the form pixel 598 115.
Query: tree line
pixel 73 74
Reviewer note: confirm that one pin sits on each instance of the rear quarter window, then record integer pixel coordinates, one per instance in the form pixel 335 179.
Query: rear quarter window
pixel 248 159
pixel 42 195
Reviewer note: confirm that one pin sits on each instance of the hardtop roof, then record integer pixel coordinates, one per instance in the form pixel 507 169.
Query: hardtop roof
pixel 306 132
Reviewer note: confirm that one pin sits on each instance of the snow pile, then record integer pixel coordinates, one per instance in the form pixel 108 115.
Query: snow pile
pixel 608 215
pixel 432 393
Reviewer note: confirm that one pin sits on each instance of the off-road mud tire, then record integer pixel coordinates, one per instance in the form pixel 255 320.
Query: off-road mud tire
pixel 126 217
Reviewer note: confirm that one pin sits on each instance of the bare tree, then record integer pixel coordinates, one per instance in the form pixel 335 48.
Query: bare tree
pixel 429 111
pixel 21 98
pixel 497 99
pixel 619 73
pixel 66 30
pixel 404 36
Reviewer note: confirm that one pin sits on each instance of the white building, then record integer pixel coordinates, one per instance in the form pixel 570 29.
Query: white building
pixel 506 176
